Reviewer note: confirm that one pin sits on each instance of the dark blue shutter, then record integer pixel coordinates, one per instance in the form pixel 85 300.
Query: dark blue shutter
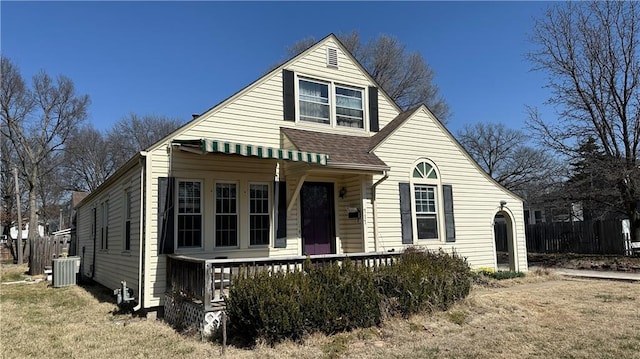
pixel 405 212
pixel 449 222
pixel 288 95
pixel 165 218
pixel 373 109
pixel 281 217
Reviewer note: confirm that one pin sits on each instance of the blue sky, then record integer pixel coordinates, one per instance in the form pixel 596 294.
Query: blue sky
pixel 179 58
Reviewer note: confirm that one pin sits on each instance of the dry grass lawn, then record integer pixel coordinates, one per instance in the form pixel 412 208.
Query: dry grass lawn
pixel 541 316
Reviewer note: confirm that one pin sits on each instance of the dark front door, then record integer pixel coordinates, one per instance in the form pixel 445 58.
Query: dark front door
pixel 317 218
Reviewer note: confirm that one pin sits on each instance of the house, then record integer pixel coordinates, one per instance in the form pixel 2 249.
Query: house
pixel 13 231
pixel 312 158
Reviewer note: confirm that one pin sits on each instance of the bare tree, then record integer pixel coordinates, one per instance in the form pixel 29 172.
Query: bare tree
pixel 134 133
pixel 37 123
pixel 404 75
pixel 591 54
pixel 89 159
pixel 502 152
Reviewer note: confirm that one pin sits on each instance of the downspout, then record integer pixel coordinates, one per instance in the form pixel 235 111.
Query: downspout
pixel 142 235
pixel 373 205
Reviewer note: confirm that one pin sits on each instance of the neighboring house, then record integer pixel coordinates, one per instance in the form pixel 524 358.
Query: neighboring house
pixel 13 231
pixel 311 158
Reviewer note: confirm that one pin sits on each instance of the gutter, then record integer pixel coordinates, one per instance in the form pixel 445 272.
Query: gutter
pixel 373 205
pixel 142 160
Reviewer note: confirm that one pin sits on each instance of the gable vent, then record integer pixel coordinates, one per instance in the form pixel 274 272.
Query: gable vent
pixel 332 57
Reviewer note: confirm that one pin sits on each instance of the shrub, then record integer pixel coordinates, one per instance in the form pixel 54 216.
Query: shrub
pixel 343 297
pixel 424 281
pixel 267 306
pixel 331 298
pixel 324 298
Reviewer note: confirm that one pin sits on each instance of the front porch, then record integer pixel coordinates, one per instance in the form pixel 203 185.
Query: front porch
pixel 196 288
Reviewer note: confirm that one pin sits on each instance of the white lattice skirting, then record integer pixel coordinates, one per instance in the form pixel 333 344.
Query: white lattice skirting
pixel 186 314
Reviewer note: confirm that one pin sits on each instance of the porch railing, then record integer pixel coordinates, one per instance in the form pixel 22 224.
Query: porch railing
pixel 207 280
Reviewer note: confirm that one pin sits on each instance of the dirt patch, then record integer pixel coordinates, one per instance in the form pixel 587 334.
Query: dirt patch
pixel 585 261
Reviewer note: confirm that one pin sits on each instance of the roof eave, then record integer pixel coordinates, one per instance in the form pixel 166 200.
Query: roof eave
pixel 359 166
pixel 131 163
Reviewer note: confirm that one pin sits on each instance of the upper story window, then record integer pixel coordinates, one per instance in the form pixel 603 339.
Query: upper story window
pixel 331 104
pixel 349 110
pixel 314 101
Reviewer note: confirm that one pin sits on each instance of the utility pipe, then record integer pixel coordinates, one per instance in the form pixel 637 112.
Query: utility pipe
pixel 375 213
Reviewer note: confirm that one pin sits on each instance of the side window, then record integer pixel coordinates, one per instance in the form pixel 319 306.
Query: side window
pixel 104 225
pixel 127 220
pixel 189 214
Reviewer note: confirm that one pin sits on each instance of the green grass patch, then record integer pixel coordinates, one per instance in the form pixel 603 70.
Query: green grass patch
pixel 498 275
pixel 614 298
pixel 13 273
pixel 336 347
pixel 457 317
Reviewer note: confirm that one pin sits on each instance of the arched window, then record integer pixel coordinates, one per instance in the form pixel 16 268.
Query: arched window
pixel 426 205
pixel 426 184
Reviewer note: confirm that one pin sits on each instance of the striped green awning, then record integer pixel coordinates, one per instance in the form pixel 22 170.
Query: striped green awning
pixel 235 148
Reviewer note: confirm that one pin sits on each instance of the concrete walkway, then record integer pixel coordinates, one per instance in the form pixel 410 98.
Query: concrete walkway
pixel 609 275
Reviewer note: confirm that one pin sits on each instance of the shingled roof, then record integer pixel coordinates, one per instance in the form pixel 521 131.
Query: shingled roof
pixel 343 150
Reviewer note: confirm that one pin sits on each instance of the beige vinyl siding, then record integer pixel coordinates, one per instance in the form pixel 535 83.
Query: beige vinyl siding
pixel 476 198
pixel 255 115
pixel 367 215
pixel 85 238
pixel 114 264
pixel 350 229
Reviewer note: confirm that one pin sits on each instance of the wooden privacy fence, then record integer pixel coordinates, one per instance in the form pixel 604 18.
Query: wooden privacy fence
pixel 587 237
pixel 44 249
pixel 207 280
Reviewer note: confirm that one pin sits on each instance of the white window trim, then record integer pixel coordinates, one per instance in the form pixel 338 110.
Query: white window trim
pixel 333 119
pixel 215 213
pixel 437 185
pixel 269 212
pixel 335 108
pixel 177 214
pixel 329 103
